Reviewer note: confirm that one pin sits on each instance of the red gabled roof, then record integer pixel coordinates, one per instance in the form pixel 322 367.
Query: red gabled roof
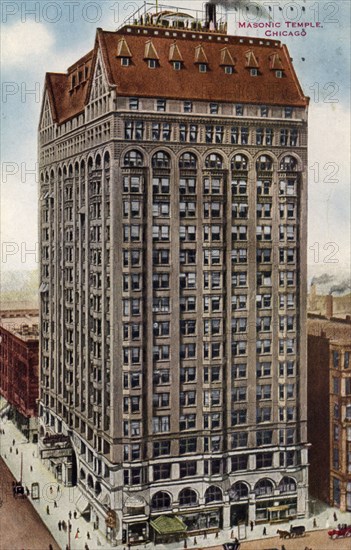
pixel 138 79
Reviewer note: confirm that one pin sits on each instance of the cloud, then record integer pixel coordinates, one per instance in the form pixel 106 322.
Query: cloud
pixel 25 43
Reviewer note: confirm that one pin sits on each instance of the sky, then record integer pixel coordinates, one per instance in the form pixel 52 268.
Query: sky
pixel 49 36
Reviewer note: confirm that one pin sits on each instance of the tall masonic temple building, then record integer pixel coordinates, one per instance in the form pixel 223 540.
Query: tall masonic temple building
pixel 173 207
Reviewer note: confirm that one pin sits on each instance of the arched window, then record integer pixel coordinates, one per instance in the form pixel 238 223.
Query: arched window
pixel 288 164
pixel 264 164
pixel 107 160
pixel 76 170
pixel 133 158
pixel 214 161
pixel 187 497
pixel 161 501
pixel 287 485
pixel 98 162
pixel 90 165
pixel 82 168
pixel 263 487
pixel 213 494
pixel 240 162
pixel 188 160
pixel 161 159
pixel 238 490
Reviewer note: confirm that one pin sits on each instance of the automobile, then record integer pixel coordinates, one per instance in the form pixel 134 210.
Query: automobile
pixel 340 532
pixel 231 546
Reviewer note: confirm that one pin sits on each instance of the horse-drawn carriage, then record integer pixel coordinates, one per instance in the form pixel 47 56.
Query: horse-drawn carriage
pixel 295 531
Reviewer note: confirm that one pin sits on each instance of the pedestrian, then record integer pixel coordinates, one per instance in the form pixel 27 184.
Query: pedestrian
pixel 27 491
pixel 335 517
pixel 31 468
pixel 283 547
pixel 70 527
pixel 10 449
pixel 58 488
pixel 217 535
pixel 48 510
pixel 86 547
pixel 70 514
pixel 5 455
pixel 251 525
pixel 50 547
pixel 67 547
pixel 13 442
pixel 205 535
pixel 75 514
pixel 314 523
pixel 195 541
pixel 51 490
pixel 55 504
pixel 264 531
pixel 77 533
pixel 64 525
pixel 59 525
pixel 185 545
pixel 88 535
pixel 16 451
pixel 232 534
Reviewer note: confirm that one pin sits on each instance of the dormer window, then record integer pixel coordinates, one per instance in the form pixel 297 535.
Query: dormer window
pixel 202 68
pixel 228 69
pixel 125 61
pixel 264 111
pixel 288 111
pixel 152 63
pixel 177 65
pixel 279 74
pixel 253 72
pixel 188 106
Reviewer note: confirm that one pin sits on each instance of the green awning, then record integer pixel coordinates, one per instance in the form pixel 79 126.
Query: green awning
pixel 166 525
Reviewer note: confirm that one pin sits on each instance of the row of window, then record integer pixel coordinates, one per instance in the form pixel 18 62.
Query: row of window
pixel 213 108
pixel 136 130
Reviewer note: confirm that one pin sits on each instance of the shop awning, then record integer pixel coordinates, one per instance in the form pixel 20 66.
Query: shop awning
pixel 82 505
pixel 278 508
pixel 167 525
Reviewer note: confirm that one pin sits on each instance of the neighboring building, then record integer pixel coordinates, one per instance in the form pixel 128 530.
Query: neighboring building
pixel 329 304
pixel 19 369
pixel 329 409
pixel 173 219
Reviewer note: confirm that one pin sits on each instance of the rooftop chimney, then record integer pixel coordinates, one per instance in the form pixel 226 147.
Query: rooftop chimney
pixel 211 16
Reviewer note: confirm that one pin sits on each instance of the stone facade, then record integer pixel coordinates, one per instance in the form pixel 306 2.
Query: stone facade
pixel 173 277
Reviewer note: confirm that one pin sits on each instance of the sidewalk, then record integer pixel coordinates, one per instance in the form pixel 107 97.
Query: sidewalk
pixel 66 497
pixel 50 491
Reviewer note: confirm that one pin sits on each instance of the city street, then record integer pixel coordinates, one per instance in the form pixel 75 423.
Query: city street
pixel 20 525
pixel 28 519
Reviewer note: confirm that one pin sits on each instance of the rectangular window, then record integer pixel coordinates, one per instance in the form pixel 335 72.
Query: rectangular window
pixel 161 105
pixel 133 104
